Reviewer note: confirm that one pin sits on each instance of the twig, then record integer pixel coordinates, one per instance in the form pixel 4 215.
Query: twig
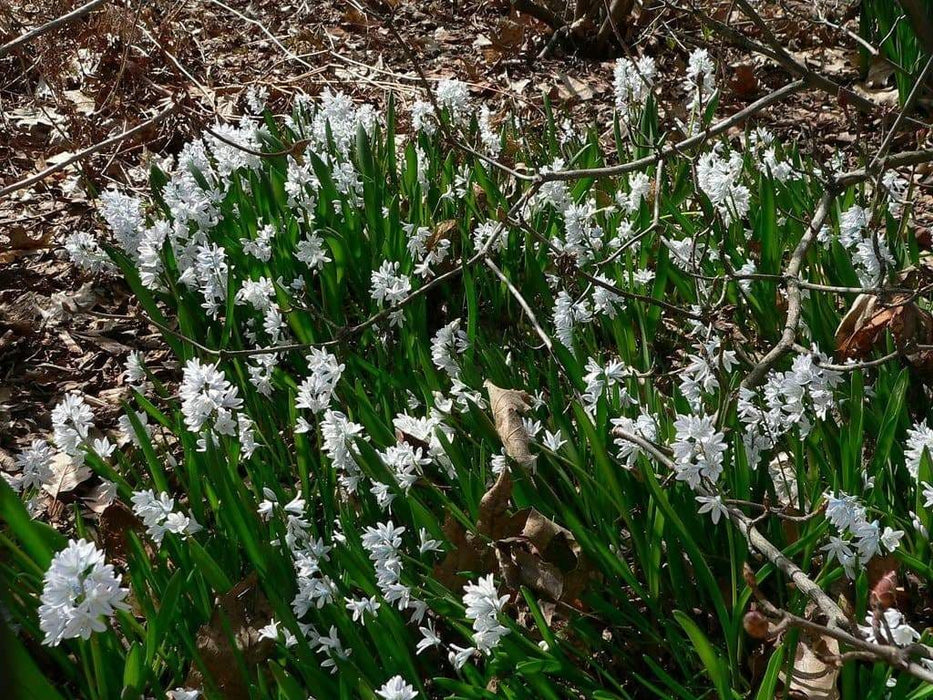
pixel 898 657
pixel 678 148
pixel 49 26
pixel 90 150
pixel 789 335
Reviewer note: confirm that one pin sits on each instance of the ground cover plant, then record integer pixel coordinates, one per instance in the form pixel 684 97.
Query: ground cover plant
pixel 469 409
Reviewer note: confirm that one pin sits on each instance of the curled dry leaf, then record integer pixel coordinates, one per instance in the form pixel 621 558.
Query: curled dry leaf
pixel 507 406
pixel 863 327
pixel 883 589
pixel 233 631
pixel 815 670
pixel 545 557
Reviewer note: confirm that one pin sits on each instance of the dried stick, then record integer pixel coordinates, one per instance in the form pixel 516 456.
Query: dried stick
pixel 49 26
pixel 789 335
pixel 678 148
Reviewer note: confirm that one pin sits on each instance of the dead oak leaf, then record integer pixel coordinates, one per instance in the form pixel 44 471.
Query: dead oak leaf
pixel 507 406
pixel 65 476
pixel 233 631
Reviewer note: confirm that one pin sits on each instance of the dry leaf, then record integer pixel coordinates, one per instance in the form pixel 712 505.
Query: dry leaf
pixel 66 475
pixel 814 674
pixel 19 243
pixel 116 522
pixel 569 89
pixel 865 323
pixel 507 406
pixel 234 628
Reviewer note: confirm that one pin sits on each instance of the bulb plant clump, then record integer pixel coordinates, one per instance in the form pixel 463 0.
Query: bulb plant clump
pixel 463 410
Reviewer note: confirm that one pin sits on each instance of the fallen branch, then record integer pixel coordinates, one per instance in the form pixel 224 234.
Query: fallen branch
pixel 899 657
pixel 49 26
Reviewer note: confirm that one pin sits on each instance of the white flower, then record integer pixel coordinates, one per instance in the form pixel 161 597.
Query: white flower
pixel 388 286
pixel 632 82
pixel 35 463
pixel 426 544
pixel 719 178
pixel 927 494
pixel 714 506
pixel 851 224
pixel 446 344
pixel 890 538
pixel 183 694
pixel 700 83
pixel 429 638
pixel 72 419
pixel 698 450
pixel 554 441
pixel 397 689
pixel 317 390
pixel 256 98
pixel 483 606
pixel 567 314
pixel 458 656
pixel 123 214
pixel 86 253
pixel 454 95
pixel 205 394
pixel 362 605
pixel 490 138
pixel 901 634
pixel 134 370
pixel 838 549
pixel 79 589
pixel 311 251
pixel 261 246
pixel 919 440
pixel 644 426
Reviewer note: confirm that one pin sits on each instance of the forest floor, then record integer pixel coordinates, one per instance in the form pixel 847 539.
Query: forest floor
pixel 125 62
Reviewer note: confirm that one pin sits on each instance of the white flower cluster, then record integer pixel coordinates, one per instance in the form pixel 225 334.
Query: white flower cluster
pixel 600 379
pixel 719 176
pixel 317 390
pixel 483 605
pixel 72 421
pixel 699 377
pixel 388 286
pixel 447 343
pixel 870 252
pixel 790 399
pixel 859 539
pixel 157 514
pixel 208 400
pixel 698 450
pixel 35 464
pixel 79 590
pixel 919 441
pixel 567 314
pixel 397 689
pixel 339 434
pixel 644 426
pixel 383 543
pixel 700 83
pixel 632 83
